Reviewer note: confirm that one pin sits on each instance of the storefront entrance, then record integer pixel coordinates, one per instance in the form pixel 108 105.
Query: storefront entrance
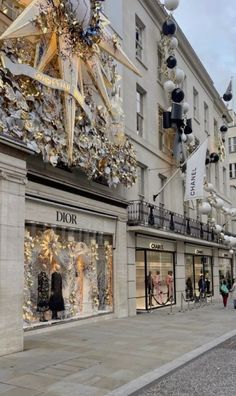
pixel 226 270
pixel 198 268
pixel 155 279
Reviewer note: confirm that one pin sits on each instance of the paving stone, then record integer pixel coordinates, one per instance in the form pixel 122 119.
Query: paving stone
pixel 33 381
pixel 21 392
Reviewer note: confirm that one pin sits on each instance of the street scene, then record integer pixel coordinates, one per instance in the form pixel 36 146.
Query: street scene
pixel 117 197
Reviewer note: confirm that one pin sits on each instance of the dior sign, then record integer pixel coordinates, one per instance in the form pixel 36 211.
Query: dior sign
pixel 65 217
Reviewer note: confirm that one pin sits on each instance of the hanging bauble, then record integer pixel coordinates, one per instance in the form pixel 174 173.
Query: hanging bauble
pixel 218 203
pixel 205 208
pixel 179 75
pixel 223 128
pixel 227 97
pixel 222 235
pixel 171 62
pixel 166 119
pixel 171 5
pixel 169 27
pixel 173 43
pixel 188 127
pixel 209 187
pixel 183 137
pixel 190 137
pixel 231 251
pixel 207 161
pixel 233 212
pixel 225 210
pixel 217 229
pixel 214 157
pixel 186 107
pixel 227 239
pixel 169 86
pixel 177 95
pixel 177 113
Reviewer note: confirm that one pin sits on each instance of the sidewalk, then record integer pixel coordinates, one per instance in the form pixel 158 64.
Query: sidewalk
pixel 109 357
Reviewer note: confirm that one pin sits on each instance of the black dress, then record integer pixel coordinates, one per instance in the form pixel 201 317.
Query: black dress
pixel 43 292
pixel 56 302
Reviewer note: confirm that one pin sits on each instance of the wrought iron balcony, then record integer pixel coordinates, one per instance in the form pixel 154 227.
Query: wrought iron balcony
pixel 148 215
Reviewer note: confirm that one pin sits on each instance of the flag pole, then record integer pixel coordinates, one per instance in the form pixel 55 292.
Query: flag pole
pixel 177 171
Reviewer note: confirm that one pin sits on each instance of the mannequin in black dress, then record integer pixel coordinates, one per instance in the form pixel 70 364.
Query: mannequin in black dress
pixel 43 295
pixel 56 302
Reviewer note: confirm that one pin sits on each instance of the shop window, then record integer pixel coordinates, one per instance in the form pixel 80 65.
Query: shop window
pixel 154 279
pixel 68 274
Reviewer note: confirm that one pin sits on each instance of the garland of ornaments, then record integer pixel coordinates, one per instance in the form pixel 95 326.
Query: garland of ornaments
pixel 176 114
pixel 205 208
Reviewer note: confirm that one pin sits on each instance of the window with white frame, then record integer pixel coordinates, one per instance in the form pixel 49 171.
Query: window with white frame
pixel 217 175
pixel 159 61
pixel 163 180
pixel 139 38
pixel 140 94
pixel 141 180
pixel 232 144
pixel 232 171
pixel 224 180
pixel 195 103
pixel 206 118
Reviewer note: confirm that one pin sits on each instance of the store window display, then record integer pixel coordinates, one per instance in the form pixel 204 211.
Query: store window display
pixel 154 279
pixel 67 274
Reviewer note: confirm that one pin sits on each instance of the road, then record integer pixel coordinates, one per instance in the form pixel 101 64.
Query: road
pixel 212 374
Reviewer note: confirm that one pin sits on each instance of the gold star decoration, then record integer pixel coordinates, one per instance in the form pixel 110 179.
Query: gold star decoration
pixel 76 32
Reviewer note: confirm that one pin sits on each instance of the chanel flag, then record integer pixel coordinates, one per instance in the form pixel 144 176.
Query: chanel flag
pixel 195 174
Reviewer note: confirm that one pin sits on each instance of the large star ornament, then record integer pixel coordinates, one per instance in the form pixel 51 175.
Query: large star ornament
pixel 77 35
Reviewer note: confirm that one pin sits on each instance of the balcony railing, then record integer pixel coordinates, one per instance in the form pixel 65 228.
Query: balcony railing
pixel 145 214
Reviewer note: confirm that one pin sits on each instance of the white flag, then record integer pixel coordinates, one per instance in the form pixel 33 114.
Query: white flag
pixel 195 174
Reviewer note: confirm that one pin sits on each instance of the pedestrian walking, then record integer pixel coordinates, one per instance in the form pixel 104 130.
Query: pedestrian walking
pixel 224 291
pixel 233 292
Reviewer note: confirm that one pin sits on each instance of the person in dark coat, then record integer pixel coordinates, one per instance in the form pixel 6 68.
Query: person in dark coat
pixel 43 295
pixel 56 302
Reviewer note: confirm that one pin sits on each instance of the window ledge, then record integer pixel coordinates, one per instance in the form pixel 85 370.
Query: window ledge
pixel 140 61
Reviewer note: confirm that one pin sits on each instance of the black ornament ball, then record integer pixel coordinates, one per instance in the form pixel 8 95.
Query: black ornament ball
pixel 177 95
pixel 214 157
pixel 169 27
pixel 171 62
pixel 227 97
pixel 223 129
pixel 207 160
pixel 188 128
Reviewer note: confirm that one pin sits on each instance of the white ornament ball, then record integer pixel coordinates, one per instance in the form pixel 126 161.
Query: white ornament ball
pixel 174 43
pixel 179 75
pixel 217 229
pixel 209 187
pixel 222 235
pixel 183 138
pixel 233 241
pixel 171 5
pixel 190 138
pixel 233 212
pixel 82 10
pixel 231 251
pixel 186 107
pixel 219 203
pixel 205 208
pixel 169 86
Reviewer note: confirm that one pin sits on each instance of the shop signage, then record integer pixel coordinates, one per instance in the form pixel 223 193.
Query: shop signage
pixel 198 251
pixel 65 217
pixel 156 246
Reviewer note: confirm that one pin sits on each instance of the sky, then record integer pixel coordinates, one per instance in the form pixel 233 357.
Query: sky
pixel 210 27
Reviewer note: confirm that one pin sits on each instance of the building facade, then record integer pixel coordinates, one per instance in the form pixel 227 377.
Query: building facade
pixel 168 239
pixel 115 251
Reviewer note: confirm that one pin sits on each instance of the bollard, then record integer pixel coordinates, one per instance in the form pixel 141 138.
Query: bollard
pixel 171 307
pixel 181 305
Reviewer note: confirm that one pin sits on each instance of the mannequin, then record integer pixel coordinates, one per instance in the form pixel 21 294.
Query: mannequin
pixel 43 294
pixel 157 285
pixel 56 302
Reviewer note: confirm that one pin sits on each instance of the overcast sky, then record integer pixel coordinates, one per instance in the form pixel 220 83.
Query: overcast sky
pixel 210 26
